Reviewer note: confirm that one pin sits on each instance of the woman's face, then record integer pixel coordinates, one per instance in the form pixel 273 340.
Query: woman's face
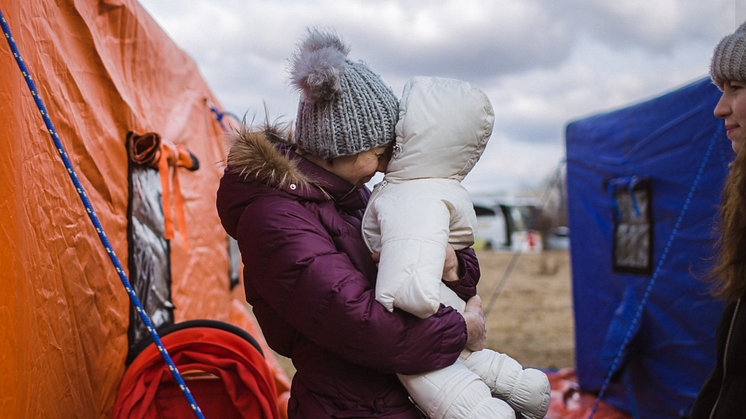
pixel 358 169
pixel 732 108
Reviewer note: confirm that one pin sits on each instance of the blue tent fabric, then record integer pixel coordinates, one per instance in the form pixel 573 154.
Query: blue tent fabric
pixel 672 348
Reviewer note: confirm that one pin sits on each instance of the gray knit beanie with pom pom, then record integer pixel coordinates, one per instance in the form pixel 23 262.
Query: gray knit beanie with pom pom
pixel 345 108
pixel 729 59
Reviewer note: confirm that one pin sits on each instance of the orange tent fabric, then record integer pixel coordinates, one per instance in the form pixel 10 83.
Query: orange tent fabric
pixel 102 68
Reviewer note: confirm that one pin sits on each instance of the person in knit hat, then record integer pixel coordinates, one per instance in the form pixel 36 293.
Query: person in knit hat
pixel 294 201
pixel 728 72
pixel 722 395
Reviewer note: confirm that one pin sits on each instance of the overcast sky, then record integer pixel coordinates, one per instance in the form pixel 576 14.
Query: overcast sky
pixel 543 63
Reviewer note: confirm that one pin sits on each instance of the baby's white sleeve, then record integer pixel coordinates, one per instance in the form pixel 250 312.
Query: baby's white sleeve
pixel 414 235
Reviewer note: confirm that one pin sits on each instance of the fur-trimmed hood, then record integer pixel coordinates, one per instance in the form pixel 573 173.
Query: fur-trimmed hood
pixel 262 155
pixel 262 162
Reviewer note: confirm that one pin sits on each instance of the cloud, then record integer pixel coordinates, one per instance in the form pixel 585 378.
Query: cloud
pixel 471 40
pixel 507 165
pixel 659 25
pixel 543 63
pixel 535 106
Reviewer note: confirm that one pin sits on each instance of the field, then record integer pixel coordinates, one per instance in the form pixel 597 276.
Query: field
pixel 531 317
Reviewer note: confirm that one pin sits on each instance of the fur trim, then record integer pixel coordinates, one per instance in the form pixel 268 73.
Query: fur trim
pixel 255 156
pixel 317 65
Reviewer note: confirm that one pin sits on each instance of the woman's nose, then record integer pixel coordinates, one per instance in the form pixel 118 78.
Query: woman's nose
pixel 382 164
pixel 722 109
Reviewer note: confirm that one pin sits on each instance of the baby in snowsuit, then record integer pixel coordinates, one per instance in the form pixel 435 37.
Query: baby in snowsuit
pixel 412 215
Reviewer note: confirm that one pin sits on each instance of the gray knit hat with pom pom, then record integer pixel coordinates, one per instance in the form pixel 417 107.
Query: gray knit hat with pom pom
pixel 345 108
pixel 729 59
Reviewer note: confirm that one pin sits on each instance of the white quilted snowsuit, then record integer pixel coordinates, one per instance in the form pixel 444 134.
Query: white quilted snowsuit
pixel 419 208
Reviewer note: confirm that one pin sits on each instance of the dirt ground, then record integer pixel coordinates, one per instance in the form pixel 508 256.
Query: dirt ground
pixel 530 318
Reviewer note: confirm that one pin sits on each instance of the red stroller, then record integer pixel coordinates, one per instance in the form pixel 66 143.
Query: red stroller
pixel 222 365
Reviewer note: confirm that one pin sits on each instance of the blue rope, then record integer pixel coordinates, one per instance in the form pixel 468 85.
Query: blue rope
pixel 631 394
pixel 643 302
pixel 94 219
pixel 219 115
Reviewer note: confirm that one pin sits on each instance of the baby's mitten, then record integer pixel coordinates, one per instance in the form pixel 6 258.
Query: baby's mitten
pixel 525 390
pixel 455 392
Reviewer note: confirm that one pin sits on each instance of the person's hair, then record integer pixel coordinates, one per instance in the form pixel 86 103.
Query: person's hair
pixel 728 275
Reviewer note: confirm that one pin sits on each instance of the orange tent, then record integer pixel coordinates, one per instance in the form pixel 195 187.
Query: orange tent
pixel 102 69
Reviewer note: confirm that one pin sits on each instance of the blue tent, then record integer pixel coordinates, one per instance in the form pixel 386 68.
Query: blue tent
pixel 643 186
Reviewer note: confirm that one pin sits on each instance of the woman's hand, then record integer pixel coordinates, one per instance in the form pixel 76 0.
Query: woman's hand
pixel 476 328
pixel 451 267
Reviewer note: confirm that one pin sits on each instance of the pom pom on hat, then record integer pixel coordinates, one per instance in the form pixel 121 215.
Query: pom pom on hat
pixel 345 108
pixel 318 65
pixel 729 58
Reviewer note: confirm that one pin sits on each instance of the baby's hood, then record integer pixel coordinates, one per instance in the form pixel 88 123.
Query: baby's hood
pixel 443 128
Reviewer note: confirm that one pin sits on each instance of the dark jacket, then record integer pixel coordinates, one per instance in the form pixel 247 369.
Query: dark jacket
pixel 723 394
pixel 310 280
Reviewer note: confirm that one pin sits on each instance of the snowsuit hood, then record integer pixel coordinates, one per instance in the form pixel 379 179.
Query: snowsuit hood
pixel 435 139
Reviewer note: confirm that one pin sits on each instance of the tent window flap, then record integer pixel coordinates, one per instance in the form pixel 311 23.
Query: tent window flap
pixel 633 224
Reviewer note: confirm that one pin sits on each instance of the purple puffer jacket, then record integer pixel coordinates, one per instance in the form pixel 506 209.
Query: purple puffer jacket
pixel 310 280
